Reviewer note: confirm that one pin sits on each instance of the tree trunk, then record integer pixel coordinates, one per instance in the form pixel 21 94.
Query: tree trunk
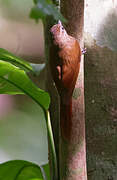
pixel 71 155
pixel 73 152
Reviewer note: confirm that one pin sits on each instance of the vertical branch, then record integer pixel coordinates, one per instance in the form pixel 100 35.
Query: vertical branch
pixel 54 106
pixel 73 152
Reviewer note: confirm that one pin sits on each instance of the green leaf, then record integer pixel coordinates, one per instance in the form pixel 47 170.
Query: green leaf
pixel 46 169
pixel 18 79
pixel 35 179
pixel 35 1
pixel 36 14
pixel 44 8
pixel 8 88
pixel 20 170
pixel 19 62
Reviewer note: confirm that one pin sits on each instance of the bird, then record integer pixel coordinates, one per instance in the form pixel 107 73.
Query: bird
pixel 65 57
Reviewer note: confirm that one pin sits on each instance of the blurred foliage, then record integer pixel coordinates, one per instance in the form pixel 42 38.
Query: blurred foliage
pixel 45 8
pixel 15 9
pixel 13 78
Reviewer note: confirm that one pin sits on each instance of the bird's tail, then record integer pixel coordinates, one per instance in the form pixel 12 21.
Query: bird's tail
pixel 65 118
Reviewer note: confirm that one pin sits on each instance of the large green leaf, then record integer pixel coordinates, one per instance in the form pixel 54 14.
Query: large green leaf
pixel 17 61
pixel 16 78
pixel 8 88
pixel 21 63
pixel 20 170
pixel 44 8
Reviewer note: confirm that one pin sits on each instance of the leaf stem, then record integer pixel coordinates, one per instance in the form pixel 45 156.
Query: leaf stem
pixel 52 145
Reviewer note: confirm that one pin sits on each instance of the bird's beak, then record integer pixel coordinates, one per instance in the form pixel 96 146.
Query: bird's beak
pixel 59 22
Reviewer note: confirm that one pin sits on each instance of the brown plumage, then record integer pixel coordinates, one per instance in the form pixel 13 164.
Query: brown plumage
pixel 65 55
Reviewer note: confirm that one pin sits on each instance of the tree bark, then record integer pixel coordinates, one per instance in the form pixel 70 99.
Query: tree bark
pixel 73 152
pixel 71 155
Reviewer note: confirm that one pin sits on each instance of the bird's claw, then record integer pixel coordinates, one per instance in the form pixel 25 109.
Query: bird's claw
pixel 83 51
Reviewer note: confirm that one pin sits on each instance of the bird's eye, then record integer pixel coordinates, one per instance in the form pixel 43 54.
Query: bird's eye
pixel 62 28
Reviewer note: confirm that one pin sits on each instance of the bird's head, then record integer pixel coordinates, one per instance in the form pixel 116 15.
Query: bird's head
pixel 58 32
